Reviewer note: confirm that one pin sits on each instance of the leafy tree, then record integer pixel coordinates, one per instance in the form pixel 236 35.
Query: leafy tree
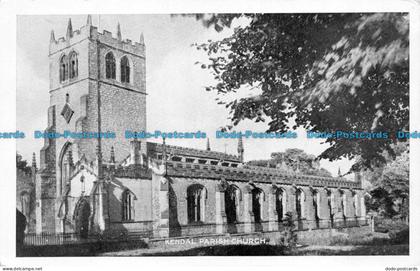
pixel 288 236
pixel 390 186
pixel 22 164
pixel 322 72
pixel 293 159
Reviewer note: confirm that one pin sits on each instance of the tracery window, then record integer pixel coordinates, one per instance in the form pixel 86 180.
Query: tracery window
pixel 196 201
pixel 110 66
pixel 257 204
pixel 300 200
pixel 63 68
pixel 127 206
pixel 125 70
pixel 73 71
pixel 232 199
pixel 280 203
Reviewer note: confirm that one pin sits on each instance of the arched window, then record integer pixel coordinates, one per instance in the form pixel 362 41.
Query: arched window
pixel 196 201
pixel 73 65
pixel 300 200
pixel 63 69
pixel 65 163
pixel 110 66
pixel 232 198
pixel 125 70
pixel 127 206
pixel 280 203
pixel 257 204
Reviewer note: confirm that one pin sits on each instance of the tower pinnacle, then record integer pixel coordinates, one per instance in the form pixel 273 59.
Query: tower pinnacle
pixel 142 38
pixel 208 145
pixel 69 30
pixel 119 36
pixel 33 160
pixel 52 36
pixel 89 20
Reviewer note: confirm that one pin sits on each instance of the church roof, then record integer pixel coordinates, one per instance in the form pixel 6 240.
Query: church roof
pixel 262 175
pixel 184 151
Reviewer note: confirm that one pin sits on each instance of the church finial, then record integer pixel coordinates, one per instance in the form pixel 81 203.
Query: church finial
pixel 89 20
pixel 241 149
pixel 112 160
pixel 208 144
pixel 119 36
pixel 33 160
pixel 69 30
pixel 141 38
pixel 52 36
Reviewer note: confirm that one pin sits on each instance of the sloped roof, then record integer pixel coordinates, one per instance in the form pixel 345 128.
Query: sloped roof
pixel 184 151
pixel 263 175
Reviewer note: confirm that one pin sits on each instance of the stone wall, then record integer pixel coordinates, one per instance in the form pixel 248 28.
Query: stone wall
pixel 45 203
pixel 214 220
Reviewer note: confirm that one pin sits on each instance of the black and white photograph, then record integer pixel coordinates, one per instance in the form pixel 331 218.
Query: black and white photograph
pixel 282 132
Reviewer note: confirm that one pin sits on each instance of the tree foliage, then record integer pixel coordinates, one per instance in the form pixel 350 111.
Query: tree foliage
pixel 322 72
pixel 390 185
pixel 293 159
pixel 22 164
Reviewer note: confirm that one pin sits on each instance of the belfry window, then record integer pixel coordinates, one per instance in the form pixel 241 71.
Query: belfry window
pixel 110 66
pixel 125 70
pixel 127 206
pixel 196 201
pixel 73 65
pixel 63 69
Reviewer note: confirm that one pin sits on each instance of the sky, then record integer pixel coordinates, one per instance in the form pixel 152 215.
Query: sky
pixel 176 100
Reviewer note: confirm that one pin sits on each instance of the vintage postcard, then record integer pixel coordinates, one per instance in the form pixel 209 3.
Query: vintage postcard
pixel 277 130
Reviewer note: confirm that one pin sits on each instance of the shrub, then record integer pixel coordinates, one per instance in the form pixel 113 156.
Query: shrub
pixel 288 236
pixel 400 237
pixel 388 225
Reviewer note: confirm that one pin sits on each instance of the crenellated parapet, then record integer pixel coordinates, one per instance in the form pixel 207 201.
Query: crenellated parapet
pixel 126 45
pixel 88 31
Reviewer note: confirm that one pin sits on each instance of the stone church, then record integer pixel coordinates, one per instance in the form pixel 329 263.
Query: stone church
pixel 115 186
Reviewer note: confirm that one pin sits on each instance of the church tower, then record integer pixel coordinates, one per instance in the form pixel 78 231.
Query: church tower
pixel 97 84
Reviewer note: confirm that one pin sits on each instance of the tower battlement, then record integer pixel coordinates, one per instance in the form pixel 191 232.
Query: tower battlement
pixel 88 31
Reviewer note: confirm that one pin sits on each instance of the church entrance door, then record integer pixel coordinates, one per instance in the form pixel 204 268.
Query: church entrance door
pixel 82 219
